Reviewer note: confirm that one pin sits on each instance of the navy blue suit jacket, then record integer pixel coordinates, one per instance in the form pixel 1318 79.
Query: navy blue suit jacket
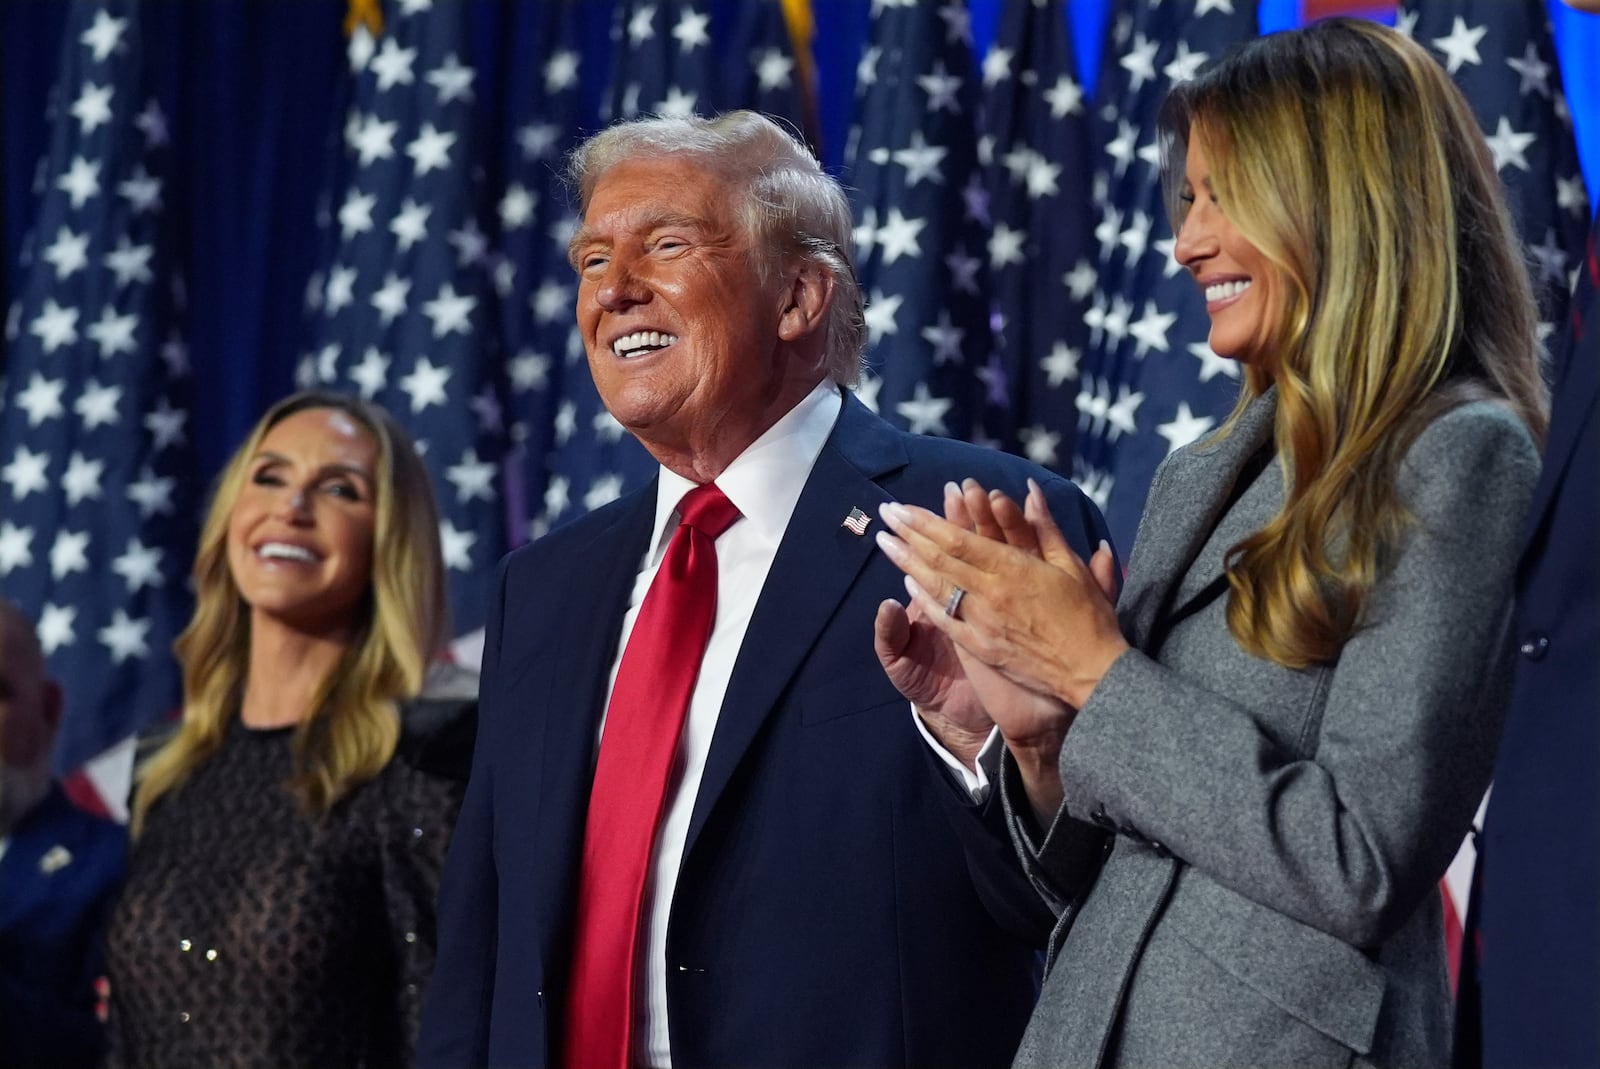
pixel 840 901
pixel 58 880
pixel 1531 977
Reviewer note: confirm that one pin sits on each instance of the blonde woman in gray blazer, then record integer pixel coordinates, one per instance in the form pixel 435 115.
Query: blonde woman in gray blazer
pixel 1239 788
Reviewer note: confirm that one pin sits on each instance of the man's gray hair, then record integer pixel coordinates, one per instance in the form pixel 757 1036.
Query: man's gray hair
pixel 791 207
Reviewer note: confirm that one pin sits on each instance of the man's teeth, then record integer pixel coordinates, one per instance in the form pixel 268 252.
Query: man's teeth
pixel 285 551
pixel 641 341
pixel 1221 291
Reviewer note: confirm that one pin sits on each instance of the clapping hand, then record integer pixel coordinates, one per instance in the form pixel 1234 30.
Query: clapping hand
pixel 1029 610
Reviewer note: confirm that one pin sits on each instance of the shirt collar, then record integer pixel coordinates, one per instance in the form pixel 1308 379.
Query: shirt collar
pixel 764 481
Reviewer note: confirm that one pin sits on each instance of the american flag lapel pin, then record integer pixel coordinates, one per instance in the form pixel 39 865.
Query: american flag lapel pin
pixel 856 522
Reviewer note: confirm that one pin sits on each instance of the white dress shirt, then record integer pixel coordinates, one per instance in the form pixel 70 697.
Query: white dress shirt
pixel 764 483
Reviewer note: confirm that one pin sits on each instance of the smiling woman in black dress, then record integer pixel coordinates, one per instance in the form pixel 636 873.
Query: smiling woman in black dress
pixel 279 904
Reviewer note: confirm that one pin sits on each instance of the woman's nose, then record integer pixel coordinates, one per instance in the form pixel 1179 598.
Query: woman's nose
pixel 1195 240
pixel 294 504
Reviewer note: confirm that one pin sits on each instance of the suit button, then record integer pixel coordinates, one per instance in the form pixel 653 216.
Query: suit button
pixel 1534 646
pixel 1099 817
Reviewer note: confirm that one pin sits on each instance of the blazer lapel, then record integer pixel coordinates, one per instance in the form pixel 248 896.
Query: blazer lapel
pixel 816 565
pixel 1201 479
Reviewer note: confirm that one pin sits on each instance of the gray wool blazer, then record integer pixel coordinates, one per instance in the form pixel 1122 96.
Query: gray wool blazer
pixel 1246 864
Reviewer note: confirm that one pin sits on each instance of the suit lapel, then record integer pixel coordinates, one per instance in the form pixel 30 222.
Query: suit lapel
pixel 1200 480
pixel 1574 394
pixel 591 597
pixel 24 883
pixel 596 586
pixel 17 885
pixel 816 565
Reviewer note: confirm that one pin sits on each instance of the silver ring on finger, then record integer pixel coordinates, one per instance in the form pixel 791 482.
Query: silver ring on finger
pixel 952 605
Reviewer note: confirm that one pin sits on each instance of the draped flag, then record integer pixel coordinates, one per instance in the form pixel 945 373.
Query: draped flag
pixel 672 59
pixel 547 114
pixel 1151 382
pixel 1501 54
pixel 922 243
pixel 97 475
pixel 698 57
pixel 1035 141
pixel 402 311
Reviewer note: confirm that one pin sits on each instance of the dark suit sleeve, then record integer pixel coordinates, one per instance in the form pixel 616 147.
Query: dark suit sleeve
pixel 997 872
pixel 455 1018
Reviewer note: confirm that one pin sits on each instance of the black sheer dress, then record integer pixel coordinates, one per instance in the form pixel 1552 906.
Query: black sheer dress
pixel 250 934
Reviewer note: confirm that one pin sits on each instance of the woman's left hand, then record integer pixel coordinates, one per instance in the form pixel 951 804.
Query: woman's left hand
pixel 1046 623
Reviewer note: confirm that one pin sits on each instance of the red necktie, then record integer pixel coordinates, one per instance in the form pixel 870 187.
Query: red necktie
pixel 643 722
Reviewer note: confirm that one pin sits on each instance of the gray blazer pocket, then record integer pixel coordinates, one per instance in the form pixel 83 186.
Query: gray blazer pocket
pixel 1310 975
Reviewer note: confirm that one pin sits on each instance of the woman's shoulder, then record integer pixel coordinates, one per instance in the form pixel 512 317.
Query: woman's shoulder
pixel 1484 439
pixel 1471 472
pixel 439 727
pixel 1478 419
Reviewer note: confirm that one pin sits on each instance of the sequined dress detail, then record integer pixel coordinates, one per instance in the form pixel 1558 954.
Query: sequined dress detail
pixel 250 934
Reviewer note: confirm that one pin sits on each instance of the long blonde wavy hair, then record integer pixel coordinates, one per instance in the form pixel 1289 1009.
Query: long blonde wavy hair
pixel 1347 157
pixel 353 728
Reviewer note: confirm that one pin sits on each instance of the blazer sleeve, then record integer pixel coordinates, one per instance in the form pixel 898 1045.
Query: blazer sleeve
pixel 455 1018
pixel 995 833
pixel 1347 833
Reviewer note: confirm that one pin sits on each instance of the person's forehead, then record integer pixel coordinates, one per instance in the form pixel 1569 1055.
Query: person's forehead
pixel 661 187
pixel 325 433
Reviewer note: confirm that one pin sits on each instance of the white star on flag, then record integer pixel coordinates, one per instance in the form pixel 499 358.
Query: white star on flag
pixel 68 554
pixel 425 384
pixel 923 412
pixel 1461 45
pixel 125 637
pixel 68 253
pixel 82 479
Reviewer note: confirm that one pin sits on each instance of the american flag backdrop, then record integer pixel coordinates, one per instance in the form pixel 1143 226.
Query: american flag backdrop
pixel 923 239
pixel 1035 140
pixel 403 308
pixel 546 115
pixel 1151 383
pixel 1501 54
pixel 98 494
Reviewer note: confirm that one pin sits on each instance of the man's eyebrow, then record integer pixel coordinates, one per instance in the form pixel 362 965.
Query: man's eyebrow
pixel 580 237
pixel 584 235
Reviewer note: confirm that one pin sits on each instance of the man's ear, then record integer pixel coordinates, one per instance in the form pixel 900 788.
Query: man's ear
pixel 809 294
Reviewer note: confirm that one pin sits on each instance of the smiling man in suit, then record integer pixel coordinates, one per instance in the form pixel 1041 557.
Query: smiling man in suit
pixel 702 827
